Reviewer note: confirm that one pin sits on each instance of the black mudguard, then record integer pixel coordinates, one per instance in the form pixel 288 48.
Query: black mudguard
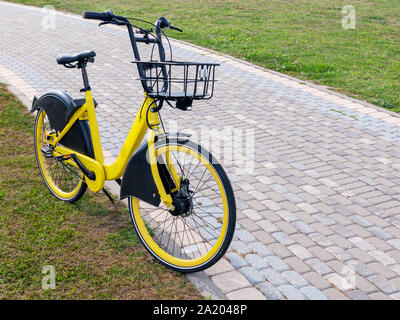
pixel 138 181
pixel 59 107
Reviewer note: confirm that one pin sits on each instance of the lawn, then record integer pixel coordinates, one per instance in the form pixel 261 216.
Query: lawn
pixel 90 244
pixel 302 38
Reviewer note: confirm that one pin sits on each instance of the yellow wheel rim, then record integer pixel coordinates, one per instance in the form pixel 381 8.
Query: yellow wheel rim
pixel 212 248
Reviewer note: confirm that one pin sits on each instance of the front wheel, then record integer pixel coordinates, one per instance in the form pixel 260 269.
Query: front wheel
pixel 198 232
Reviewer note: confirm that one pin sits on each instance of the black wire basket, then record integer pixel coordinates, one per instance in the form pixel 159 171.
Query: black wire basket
pixel 175 81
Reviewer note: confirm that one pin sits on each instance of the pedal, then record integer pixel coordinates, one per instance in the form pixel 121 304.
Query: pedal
pixel 46 152
pixel 64 157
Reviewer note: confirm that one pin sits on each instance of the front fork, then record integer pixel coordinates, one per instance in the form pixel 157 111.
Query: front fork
pixel 165 197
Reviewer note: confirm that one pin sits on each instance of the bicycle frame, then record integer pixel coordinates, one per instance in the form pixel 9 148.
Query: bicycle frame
pixel 115 170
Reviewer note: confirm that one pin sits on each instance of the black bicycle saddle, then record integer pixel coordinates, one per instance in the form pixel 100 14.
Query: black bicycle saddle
pixel 80 57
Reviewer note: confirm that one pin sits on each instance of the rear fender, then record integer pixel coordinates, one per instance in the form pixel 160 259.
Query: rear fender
pixel 59 106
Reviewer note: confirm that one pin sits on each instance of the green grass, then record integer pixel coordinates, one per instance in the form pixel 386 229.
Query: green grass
pixel 303 38
pixel 91 244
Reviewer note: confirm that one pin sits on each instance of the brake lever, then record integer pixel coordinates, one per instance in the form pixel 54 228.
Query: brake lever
pixel 113 21
pixel 175 28
pixel 118 22
pixel 104 22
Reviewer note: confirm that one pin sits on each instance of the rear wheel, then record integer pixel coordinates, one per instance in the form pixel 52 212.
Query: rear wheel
pixel 63 180
pixel 198 232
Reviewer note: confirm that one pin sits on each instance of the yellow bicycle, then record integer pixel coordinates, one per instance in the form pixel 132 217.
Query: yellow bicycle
pixel 180 199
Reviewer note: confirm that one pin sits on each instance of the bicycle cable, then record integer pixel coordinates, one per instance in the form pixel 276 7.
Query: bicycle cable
pixel 147 115
pixel 151 33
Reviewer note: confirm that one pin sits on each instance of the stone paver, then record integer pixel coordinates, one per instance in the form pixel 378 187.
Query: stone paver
pixel 231 281
pixel 250 293
pixel 317 187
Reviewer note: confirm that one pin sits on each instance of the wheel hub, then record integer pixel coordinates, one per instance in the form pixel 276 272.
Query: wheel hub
pixel 182 200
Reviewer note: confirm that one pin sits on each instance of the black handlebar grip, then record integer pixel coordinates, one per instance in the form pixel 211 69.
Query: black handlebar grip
pixel 104 16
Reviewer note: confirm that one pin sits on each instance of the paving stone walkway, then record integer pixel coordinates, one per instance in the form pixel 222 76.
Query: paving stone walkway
pixel 318 196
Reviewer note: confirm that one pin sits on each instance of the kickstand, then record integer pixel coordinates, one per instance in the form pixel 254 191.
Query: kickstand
pixel 108 195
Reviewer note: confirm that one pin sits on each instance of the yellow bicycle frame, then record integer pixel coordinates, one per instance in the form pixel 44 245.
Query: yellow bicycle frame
pixel 115 170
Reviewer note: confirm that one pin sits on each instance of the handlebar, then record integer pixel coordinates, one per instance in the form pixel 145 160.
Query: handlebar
pixel 109 16
pixel 103 16
pixel 162 23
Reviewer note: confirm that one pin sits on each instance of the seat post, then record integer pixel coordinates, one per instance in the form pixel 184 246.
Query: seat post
pixel 85 78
